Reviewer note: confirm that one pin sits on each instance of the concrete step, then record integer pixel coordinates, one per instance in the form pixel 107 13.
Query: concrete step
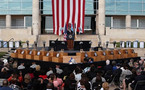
pixel 5 56
pixel 3 49
pixel 2 58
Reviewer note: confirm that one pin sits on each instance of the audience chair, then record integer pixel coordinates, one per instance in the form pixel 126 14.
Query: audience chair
pixel 140 85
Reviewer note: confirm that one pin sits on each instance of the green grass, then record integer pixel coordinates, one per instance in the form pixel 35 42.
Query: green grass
pixel 2 54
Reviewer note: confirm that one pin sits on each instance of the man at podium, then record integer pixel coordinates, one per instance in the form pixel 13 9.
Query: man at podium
pixel 70 37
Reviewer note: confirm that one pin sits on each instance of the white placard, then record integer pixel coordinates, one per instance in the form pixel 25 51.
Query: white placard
pixel 17 44
pixel 86 55
pixel 141 45
pixel 22 52
pixel 119 52
pixel 11 44
pixel 135 44
pixel 5 44
pixel 30 52
pixel 47 54
pixel 38 53
pixel 95 54
pixel 15 51
pixel 57 55
pixel 104 53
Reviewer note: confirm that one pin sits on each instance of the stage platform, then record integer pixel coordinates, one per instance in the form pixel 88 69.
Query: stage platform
pixel 46 65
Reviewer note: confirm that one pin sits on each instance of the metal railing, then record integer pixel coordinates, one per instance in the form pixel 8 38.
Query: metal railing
pixel 7 43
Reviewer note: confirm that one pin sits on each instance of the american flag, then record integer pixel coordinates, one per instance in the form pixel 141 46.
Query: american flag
pixel 65 32
pixel 68 11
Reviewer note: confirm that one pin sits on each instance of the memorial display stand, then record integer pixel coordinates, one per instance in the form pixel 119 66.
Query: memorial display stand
pixel 31 56
pixel 116 54
pixel 15 54
pixel 100 53
pixel 96 58
pixel 23 54
pixel 109 55
pixel 124 53
pixel 132 53
pixel 49 57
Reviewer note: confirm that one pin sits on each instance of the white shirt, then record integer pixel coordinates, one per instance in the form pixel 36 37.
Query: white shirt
pixel 33 66
pixel 78 77
pixel 21 67
pixel 59 71
pixel 49 72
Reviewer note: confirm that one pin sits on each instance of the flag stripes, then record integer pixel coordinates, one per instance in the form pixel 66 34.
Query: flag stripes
pixel 68 11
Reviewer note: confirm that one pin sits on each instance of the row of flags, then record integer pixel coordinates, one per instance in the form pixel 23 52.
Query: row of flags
pixel 68 12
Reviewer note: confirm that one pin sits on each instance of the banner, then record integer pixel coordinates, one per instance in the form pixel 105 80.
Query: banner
pixel 68 11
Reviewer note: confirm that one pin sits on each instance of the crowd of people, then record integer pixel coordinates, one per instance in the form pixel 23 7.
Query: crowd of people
pixel 32 77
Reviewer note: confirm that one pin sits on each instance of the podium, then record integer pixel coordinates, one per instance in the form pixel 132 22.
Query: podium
pixel 70 41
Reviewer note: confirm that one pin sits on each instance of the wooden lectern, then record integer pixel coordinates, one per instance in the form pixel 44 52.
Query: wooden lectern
pixel 70 41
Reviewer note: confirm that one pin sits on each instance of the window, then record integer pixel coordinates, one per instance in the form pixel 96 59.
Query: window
pixel 28 21
pixel 119 22
pixel 2 23
pixel 18 23
pixel 48 24
pixel 134 23
pixel 108 21
pixel 138 23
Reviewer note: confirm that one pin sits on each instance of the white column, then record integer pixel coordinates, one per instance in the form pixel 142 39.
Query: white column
pixel 128 21
pixel 101 17
pixel 8 21
pixel 36 18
